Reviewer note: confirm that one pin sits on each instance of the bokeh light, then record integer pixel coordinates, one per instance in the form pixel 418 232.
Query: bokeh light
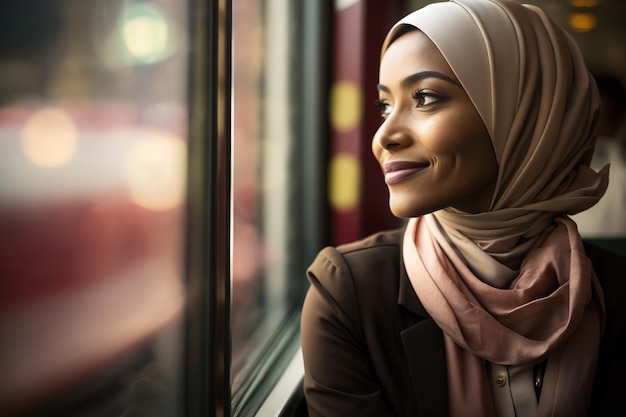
pixel 582 22
pixel 49 138
pixel 146 32
pixel 155 171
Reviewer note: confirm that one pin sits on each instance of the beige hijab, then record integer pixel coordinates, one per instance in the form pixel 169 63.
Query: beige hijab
pixel 512 285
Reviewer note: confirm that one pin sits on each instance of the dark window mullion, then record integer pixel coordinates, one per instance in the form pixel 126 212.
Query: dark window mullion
pixel 208 228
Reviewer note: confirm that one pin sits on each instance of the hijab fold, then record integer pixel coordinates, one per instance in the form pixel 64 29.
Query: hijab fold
pixel 530 85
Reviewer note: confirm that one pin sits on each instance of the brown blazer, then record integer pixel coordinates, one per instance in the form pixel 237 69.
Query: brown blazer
pixel 371 349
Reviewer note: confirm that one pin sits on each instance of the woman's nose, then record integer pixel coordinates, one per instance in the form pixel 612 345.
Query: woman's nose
pixel 390 136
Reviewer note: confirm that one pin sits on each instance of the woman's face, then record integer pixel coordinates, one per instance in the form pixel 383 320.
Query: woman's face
pixel 433 146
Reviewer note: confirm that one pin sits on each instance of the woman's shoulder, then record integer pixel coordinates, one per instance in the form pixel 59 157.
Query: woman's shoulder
pixel 376 241
pixel 362 257
pixel 358 269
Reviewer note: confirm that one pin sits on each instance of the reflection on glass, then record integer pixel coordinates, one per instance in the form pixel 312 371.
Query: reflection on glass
pixel 266 265
pixel 249 254
pixel 92 189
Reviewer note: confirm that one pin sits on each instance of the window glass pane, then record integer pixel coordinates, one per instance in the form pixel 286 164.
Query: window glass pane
pixel 267 271
pixel 248 266
pixel 93 127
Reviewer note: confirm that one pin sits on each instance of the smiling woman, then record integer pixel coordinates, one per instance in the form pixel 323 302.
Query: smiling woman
pixel 486 303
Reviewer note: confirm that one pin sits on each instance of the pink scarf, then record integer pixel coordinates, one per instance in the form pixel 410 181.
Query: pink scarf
pixel 553 309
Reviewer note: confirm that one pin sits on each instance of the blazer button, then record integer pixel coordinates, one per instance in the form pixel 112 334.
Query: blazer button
pixel 500 380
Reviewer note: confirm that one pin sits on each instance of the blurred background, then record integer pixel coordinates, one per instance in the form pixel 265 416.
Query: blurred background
pixel 93 129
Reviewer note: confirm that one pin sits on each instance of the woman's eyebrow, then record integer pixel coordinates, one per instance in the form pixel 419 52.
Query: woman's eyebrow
pixel 418 76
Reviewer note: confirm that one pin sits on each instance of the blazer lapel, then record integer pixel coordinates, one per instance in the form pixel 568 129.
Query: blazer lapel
pixel 425 354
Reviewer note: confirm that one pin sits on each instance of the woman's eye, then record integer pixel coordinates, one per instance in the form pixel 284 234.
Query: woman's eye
pixel 426 98
pixel 383 107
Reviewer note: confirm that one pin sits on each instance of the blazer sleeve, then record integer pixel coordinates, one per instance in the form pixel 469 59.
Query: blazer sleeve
pixel 339 380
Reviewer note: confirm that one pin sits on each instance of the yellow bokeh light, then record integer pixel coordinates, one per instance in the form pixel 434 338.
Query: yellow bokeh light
pixel 344 181
pixel 345 105
pixel 155 171
pixel 582 22
pixel 49 138
pixel 145 32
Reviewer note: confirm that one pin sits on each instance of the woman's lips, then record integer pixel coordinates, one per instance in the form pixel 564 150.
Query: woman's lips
pixel 397 171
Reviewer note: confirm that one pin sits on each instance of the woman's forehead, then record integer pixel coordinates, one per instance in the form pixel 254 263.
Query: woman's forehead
pixel 412 52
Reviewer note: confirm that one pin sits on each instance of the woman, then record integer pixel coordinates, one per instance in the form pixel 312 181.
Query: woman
pixel 485 304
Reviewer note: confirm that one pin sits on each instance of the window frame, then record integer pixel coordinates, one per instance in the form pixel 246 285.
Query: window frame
pixel 274 384
pixel 209 230
pixel 207 379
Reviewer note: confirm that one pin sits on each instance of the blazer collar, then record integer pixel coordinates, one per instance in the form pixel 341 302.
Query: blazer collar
pixel 425 352
pixel 406 294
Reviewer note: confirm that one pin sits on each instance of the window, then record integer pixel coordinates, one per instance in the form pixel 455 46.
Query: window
pixel 152 253
pixel 277 184
pixel 93 139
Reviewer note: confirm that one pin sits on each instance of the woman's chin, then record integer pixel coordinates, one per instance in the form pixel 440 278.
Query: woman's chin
pixel 403 210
